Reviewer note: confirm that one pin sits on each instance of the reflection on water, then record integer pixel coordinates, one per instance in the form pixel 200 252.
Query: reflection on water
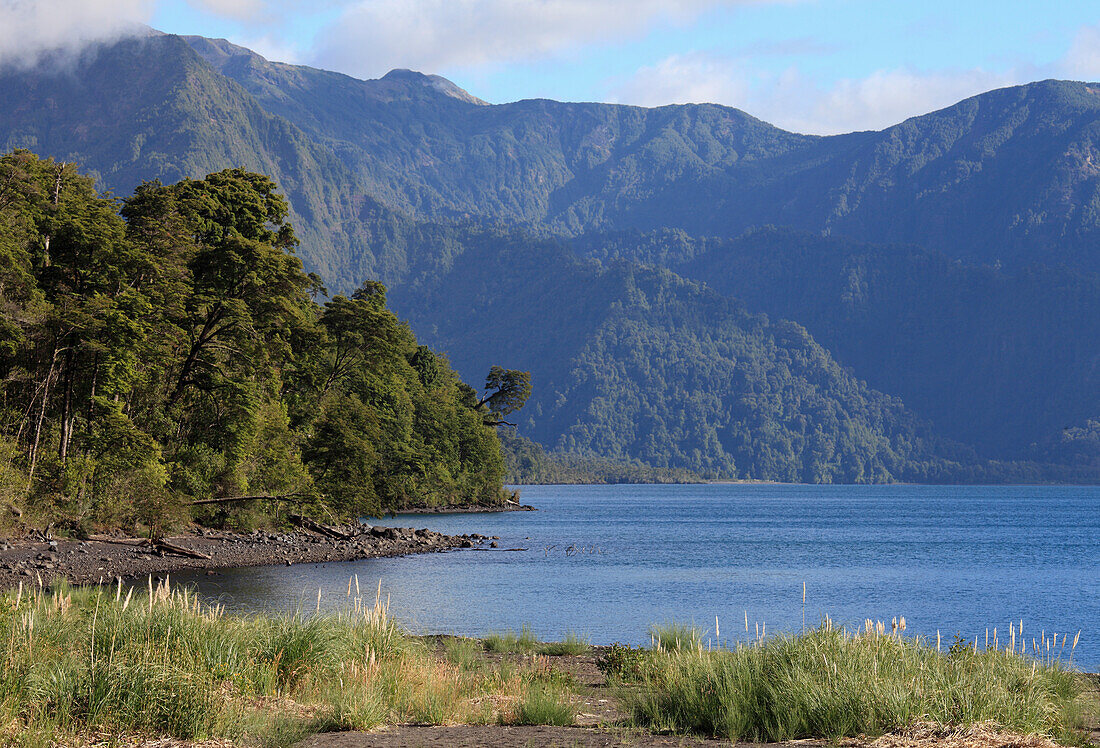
pixel 607 561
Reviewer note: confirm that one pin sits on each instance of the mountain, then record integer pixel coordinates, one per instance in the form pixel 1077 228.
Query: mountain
pixel 1001 359
pixel 1009 176
pixel 949 262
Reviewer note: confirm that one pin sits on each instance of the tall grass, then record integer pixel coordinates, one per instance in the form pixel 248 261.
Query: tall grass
pixel 828 683
pixel 160 663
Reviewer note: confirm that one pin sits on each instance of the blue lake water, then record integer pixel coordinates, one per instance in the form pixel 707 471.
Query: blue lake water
pixel 609 561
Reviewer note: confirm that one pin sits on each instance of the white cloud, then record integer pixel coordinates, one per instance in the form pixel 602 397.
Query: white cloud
pixel 32 30
pixel 796 102
pixel 241 10
pixel 1083 59
pixel 694 78
pixel 887 97
pixel 272 48
pixel 372 36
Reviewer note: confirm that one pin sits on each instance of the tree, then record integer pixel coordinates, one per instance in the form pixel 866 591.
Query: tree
pixel 506 391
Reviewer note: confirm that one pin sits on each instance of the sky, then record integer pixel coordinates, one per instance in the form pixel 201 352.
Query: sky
pixel 814 66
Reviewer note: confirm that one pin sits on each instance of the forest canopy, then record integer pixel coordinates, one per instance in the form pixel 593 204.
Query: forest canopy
pixel 168 349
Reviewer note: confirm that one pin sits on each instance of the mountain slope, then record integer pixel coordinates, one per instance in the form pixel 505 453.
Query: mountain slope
pixel 152 108
pixel 1000 359
pixel 432 149
pixel 633 362
pixel 1009 176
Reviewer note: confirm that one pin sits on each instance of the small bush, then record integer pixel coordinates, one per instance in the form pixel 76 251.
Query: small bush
pixel 622 661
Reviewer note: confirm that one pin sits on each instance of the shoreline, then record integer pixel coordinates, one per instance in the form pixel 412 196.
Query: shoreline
pixel 105 559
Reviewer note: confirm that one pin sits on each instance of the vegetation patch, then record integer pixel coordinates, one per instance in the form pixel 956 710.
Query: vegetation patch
pixel 112 664
pixel 829 683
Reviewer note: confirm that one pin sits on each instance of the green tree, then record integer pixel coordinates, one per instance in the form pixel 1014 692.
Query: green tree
pixel 506 391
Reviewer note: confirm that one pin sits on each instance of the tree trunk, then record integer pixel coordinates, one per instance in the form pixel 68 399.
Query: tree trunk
pixel 67 408
pixel 41 418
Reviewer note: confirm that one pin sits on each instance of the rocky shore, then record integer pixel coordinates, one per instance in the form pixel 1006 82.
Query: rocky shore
pixel 107 558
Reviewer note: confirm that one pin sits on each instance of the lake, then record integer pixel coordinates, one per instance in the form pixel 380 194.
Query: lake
pixel 609 561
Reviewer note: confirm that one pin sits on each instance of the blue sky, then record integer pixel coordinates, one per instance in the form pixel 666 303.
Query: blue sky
pixel 809 65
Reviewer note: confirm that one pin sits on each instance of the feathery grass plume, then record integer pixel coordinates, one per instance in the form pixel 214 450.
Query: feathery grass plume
pixel 672 637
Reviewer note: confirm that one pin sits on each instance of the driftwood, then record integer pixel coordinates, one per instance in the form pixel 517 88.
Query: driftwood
pixel 159 545
pixel 180 550
pixel 292 497
pixel 119 541
pixel 317 527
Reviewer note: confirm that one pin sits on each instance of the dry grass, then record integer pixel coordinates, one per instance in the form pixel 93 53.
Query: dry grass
pixel 136 741
pixel 980 735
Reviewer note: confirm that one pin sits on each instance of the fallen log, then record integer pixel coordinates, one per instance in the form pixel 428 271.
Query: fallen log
pixel 317 527
pixel 180 550
pixel 132 542
pixel 159 545
pixel 295 498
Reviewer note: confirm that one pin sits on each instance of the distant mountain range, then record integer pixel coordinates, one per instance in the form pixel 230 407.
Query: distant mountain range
pixel 931 290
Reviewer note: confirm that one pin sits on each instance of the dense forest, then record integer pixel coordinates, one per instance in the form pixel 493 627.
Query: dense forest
pixel 1004 359
pixel 165 357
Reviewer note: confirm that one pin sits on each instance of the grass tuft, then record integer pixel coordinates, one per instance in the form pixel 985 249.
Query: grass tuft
pixel 542 705
pixel 572 644
pixel 510 642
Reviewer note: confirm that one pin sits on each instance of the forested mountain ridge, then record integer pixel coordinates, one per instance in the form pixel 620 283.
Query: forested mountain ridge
pixel 430 149
pixel 410 180
pixel 1006 358
pixel 1008 175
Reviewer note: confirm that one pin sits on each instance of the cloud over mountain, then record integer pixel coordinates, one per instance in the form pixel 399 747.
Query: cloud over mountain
pixel 435 35
pixel 32 31
pixel 797 102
